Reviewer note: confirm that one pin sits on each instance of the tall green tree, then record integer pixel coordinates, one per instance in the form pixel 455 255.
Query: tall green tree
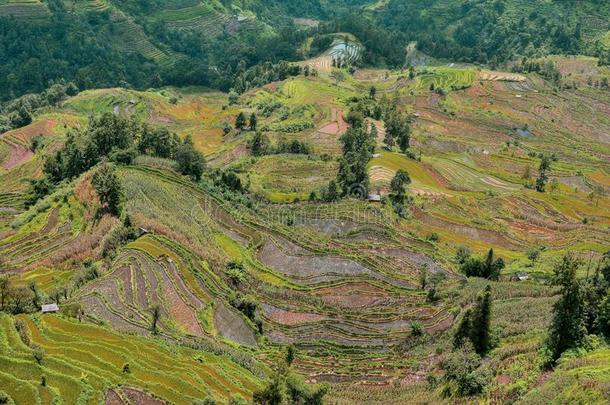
pixel 353 177
pixel 108 188
pixel 398 185
pixel 567 330
pixel 240 121
pixel 543 178
pixel 259 145
pixel 190 161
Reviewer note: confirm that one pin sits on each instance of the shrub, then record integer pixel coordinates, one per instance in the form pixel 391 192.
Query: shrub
pixel 416 329
pixel 464 372
pixel 38 353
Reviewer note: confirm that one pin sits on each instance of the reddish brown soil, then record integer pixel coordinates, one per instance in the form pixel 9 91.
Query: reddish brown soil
pixel 294 318
pixel 337 124
pixel 138 397
pixel 16 155
pixel 112 398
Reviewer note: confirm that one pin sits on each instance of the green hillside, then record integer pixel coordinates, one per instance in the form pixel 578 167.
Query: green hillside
pixel 304 203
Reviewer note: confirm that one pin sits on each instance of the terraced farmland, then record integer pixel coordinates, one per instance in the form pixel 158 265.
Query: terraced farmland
pixel 239 276
pixel 24 9
pixel 83 362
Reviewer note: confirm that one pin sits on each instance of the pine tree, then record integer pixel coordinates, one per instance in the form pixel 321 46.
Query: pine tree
pixel 567 330
pixel 545 166
pixel 108 188
pixel 259 145
pixel 240 121
pixel 481 323
pixel 388 140
pixel 397 185
pixel 253 122
pixel 189 160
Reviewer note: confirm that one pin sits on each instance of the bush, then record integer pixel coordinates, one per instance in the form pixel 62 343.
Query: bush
pixel 464 372
pixel 416 329
pixel 38 353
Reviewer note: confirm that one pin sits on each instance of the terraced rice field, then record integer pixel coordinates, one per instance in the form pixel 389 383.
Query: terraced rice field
pixel 24 9
pixel 340 281
pixel 82 362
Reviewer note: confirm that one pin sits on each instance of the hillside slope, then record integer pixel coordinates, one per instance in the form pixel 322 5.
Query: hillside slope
pixel 238 274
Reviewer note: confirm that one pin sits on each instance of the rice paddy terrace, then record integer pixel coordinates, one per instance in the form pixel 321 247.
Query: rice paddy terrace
pixel 341 281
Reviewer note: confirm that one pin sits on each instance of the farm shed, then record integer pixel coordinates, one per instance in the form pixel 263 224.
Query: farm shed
pixel 48 308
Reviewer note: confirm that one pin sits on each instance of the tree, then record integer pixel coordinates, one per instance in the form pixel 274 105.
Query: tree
pixel 352 176
pixel 596 194
pixel 462 254
pixel 226 128
pixel 110 131
pixel 233 97
pixel 5 292
pixel 373 92
pixel 259 145
pixel 108 188
pixel 481 323
pixel 492 266
pixel 21 298
pixel 35 294
pixel 253 122
pixel 567 330
pixel 423 276
pixel 545 166
pixel 158 142
pixel 388 141
pixel 190 161
pixel 533 254
pixel 338 76
pixel 398 185
pixel 331 193
pixel 272 394
pixel 38 354
pixel 463 368
pixel 290 354
pixel 603 319
pixel 240 121
pixel 398 128
pixel 155 312
pixel 489 268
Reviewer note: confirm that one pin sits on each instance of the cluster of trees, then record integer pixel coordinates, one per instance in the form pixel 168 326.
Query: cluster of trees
pixel 261 74
pixel 488 268
pixel 358 145
pixel 397 124
pixel 18 112
pixel 260 145
pixel 464 369
pixel 397 130
pixel 583 308
pixel 120 140
pixel 545 68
